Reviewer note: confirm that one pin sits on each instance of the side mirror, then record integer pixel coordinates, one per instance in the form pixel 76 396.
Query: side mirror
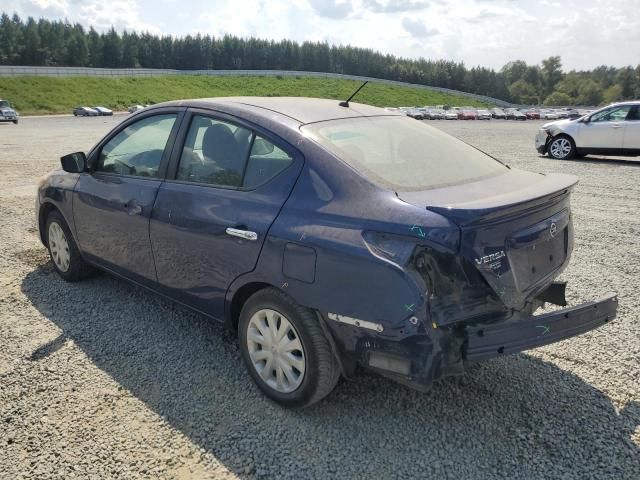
pixel 262 147
pixel 74 162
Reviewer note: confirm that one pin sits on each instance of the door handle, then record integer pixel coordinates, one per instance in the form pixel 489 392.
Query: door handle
pixel 245 234
pixel 615 125
pixel 132 208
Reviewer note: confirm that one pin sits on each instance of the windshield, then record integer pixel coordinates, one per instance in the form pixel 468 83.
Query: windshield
pixel 5 104
pixel 401 154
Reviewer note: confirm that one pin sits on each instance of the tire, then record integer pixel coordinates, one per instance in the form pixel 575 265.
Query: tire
pixel 562 147
pixel 15 122
pixel 63 250
pixel 318 371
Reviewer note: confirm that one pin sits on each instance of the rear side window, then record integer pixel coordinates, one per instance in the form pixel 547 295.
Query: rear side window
pixel 634 114
pixel 401 154
pixel 214 152
pixel 265 162
pixel 223 154
pixel 137 150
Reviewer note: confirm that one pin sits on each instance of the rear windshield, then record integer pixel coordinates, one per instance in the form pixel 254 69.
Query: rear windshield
pixel 401 153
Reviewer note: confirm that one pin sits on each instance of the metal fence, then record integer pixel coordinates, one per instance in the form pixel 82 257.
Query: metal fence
pixel 10 71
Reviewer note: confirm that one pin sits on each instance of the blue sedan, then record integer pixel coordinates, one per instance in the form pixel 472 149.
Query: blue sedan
pixel 328 236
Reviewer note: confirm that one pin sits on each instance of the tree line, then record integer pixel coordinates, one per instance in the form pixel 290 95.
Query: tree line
pixel 59 43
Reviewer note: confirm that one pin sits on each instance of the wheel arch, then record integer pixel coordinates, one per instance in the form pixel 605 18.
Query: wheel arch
pixel 45 209
pixel 239 298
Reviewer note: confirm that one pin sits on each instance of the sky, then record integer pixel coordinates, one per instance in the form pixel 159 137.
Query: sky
pixel 490 33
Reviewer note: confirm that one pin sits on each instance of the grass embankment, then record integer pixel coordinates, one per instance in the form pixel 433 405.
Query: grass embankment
pixel 42 95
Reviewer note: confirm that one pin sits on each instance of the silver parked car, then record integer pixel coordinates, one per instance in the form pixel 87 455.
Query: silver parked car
pixel 135 108
pixel 82 111
pixel 612 130
pixel 103 111
pixel 484 115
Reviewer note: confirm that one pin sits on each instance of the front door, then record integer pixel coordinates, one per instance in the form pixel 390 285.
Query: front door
pixel 605 131
pixel 113 202
pixel 209 222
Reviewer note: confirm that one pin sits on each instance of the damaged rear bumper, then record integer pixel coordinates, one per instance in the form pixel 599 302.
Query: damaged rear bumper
pixel 489 341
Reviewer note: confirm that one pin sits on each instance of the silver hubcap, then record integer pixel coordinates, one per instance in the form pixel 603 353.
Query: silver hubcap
pixel 275 350
pixel 560 148
pixel 59 247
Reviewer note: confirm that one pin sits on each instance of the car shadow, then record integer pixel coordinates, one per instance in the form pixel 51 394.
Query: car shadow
pixel 513 417
pixel 593 159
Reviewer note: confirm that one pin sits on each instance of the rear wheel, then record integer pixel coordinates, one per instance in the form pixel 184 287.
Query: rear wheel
pixel 285 350
pixel 562 148
pixel 63 250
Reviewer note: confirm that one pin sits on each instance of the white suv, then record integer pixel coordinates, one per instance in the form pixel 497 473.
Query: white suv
pixel 612 130
pixel 7 114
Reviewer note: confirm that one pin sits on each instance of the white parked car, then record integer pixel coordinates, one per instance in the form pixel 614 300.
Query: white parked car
pixel 612 130
pixel 7 113
pixel 548 115
pixel 561 113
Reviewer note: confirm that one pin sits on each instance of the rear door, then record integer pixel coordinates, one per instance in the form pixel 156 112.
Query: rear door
pixel 605 131
pixel 631 142
pixel 113 202
pixel 228 182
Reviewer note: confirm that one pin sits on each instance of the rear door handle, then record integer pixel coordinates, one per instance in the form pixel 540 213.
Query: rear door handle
pixel 246 234
pixel 615 125
pixel 132 208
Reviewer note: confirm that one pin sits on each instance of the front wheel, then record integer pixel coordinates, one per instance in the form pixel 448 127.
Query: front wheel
pixel 63 250
pixel 562 148
pixel 285 349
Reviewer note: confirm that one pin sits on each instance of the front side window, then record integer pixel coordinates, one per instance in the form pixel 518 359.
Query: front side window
pixel 137 150
pixel 223 154
pixel 614 114
pixel 401 154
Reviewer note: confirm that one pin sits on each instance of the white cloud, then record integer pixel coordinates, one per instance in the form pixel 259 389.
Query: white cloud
pixel 392 6
pixel 585 33
pixel 332 8
pixel 101 14
pixel 417 28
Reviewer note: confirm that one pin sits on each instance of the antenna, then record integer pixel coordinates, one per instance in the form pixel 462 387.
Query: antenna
pixel 346 102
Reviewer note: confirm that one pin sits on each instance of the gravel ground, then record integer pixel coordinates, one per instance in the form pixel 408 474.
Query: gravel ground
pixel 101 379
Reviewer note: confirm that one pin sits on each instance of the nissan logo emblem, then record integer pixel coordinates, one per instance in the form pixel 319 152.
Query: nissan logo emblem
pixel 553 229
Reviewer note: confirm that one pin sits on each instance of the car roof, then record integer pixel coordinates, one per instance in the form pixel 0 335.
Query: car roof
pixel 301 109
pixel 631 102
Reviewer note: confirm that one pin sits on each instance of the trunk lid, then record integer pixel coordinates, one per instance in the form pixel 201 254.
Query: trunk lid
pixel 515 228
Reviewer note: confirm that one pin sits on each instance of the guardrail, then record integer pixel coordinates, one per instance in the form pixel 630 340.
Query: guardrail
pixel 14 71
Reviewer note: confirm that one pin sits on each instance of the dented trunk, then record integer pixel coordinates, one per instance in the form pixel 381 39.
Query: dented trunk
pixel 516 230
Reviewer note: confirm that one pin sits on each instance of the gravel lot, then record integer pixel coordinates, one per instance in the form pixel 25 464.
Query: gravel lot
pixel 101 379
